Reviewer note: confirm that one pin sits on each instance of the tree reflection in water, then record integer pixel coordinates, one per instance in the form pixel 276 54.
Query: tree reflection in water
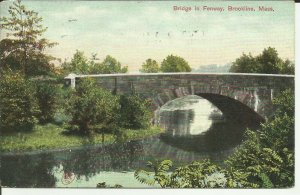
pixel 27 170
pixel 88 163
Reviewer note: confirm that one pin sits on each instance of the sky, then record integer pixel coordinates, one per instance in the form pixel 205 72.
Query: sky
pixel 135 31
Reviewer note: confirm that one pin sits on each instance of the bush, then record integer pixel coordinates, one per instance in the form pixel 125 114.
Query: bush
pixel 46 94
pixel 92 108
pixel 202 174
pixel 267 155
pixel 285 103
pixel 63 95
pixel 135 112
pixel 262 166
pixel 18 106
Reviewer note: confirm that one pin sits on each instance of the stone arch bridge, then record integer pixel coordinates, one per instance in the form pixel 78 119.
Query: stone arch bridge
pixel 237 95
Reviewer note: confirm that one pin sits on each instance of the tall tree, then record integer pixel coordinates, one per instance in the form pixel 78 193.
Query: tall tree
pixel 18 106
pixel 267 62
pixel 175 64
pixel 79 64
pixel 245 63
pixel 23 48
pixel 287 67
pixel 150 66
pixel 110 65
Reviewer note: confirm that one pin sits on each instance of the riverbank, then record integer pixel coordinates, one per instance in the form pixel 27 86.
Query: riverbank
pixel 51 136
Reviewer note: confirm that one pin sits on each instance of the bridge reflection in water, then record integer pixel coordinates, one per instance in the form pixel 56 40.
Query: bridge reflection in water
pixel 194 124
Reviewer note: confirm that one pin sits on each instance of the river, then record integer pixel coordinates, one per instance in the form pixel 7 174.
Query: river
pixel 194 130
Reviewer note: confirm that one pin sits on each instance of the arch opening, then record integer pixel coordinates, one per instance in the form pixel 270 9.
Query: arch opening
pixel 206 122
pixel 181 117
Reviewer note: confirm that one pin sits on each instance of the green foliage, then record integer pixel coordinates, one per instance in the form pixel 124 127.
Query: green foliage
pixel 92 108
pixel 150 66
pixel 264 163
pixel 266 182
pixel 278 133
pixel 157 174
pixel 287 67
pixel 51 136
pixel 267 156
pixel 285 103
pixel 109 66
pixel 245 169
pixel 245 63
pixel 46 94
pixel 135 112
pixel 175 64
pixel 268 62
pixel 202 174
pixel 79 64
pixel 18 107
pixel 23 49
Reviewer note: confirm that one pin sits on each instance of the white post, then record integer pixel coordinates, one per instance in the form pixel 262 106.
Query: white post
pixel 72 78
pixel 73 83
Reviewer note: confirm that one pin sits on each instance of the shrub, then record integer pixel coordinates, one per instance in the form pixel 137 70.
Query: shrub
pixel 63 95
pixel 92 108
pixel 267 155
pixel 46 94
pixel 135 112
pixel 202 174
pixel 285 103
pixel 18 106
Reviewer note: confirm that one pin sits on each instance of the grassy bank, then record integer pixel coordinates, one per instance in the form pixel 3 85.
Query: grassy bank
pixel 51 136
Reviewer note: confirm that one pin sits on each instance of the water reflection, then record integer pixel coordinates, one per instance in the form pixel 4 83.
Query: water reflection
pixel 190 115
pixel 195 130
pixel 85 167
pixel 27 171
pixel 92 161
pixel 194 124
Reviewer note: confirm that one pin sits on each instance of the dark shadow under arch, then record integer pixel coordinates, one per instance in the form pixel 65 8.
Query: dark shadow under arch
pixel 220 136
pixel 234 109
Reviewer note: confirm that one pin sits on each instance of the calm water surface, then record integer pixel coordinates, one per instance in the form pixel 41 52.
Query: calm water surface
pixel 194 130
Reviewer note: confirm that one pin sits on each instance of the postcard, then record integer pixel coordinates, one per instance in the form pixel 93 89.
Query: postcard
pixel 147 94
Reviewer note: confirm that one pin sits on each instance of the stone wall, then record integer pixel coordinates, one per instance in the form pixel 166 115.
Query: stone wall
pixel 253 90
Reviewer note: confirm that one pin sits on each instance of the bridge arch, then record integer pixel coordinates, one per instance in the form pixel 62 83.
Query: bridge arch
pixel 255 91
pixel 231 108
pixel 216 133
